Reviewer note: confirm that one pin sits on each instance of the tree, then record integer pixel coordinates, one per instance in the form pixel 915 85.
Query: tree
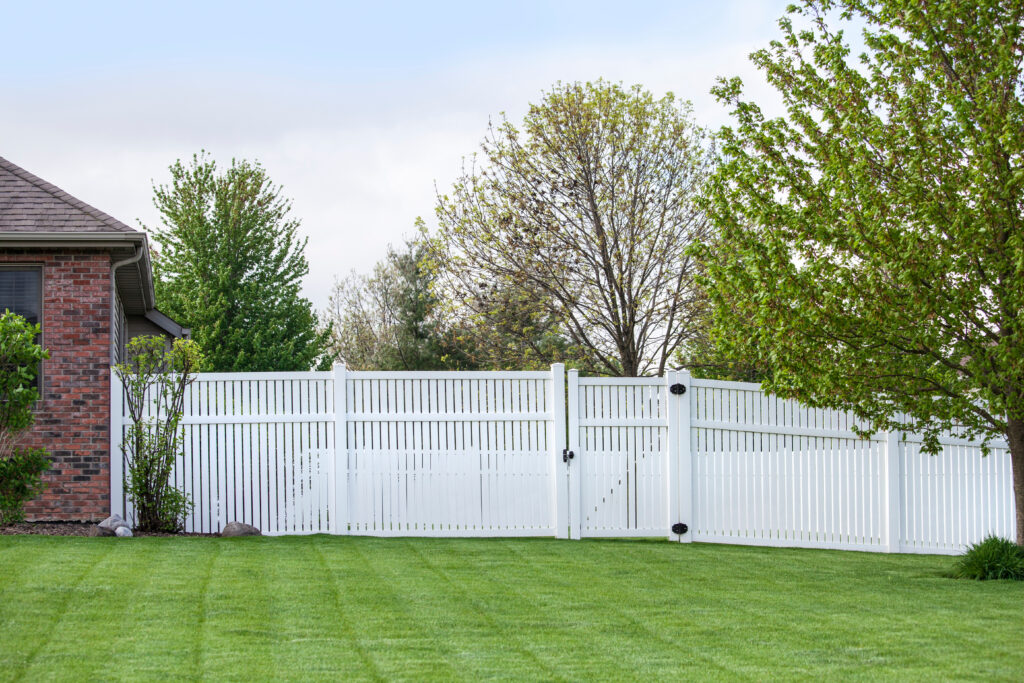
pixel 21 468
pixel 230 266
pixel 155 379
pixel 706 357
pixel 389 320
pixel 588 212
pixel 509 327
pixel 872 241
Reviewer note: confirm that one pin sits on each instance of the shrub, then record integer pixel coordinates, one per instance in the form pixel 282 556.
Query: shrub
pixel 20 481
pixel 154 381
pixel 993 558
pixel 21 469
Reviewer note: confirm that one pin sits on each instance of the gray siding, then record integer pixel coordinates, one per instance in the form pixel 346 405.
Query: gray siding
pixel 138 326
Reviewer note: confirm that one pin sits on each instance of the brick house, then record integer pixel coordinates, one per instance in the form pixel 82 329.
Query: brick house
pixel 87 278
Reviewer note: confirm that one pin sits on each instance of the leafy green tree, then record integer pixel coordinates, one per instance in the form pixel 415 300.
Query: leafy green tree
pixel 389 320
pixel 588 211
pixel 155 379
pixel 872 240
pixel 21 468
pixel 230 266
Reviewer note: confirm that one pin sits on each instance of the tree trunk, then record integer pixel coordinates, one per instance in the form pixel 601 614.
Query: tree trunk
pixel 1015 437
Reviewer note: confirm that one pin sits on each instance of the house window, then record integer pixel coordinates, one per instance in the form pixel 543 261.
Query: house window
pixel 21 292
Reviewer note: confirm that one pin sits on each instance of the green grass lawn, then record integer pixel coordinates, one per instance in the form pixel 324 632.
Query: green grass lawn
pixel 330 607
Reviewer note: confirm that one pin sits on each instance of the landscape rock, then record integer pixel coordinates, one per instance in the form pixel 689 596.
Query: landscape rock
pixel 239 529
pixel 123 532
pixel 113 522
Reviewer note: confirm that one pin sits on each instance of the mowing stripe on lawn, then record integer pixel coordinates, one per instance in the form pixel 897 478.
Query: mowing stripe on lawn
pixel 61 605
pixel 397 589
pixel 464 594
pixel 347 629
pixel 620 586
pixel 205 573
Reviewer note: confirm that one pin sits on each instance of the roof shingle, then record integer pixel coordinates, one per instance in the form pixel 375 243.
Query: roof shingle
pixel 30 204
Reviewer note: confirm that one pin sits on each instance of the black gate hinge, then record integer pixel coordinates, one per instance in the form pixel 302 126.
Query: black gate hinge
pixel 567 455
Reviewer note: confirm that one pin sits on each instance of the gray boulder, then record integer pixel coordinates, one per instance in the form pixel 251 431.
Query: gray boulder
pixel 239 529
pixel 123 532
pixel 113 522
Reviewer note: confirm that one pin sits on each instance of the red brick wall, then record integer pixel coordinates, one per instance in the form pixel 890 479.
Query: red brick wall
pixel 73 418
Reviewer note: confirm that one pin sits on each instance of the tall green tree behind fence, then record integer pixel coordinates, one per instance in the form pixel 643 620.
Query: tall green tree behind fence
pixel 230 266
pixel 872 240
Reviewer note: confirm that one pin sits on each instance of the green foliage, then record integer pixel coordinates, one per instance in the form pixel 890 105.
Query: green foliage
pixel 871 245
pixel 21 472
pixel 154 382
pixel 20 356
pixel 230 266
pixel 390 320
pixel 21 469
pixel 993 558
pixel 583 214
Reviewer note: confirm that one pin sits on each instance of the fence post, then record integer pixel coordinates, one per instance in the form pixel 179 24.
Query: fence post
pixel 573 467
pixel 338 496
pixel 678 489
pixel 559 494
pixel 683 477
pixel 116 436
pixel 892 502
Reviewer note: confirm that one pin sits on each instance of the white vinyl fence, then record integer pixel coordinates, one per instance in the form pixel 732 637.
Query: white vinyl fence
pixel 542 454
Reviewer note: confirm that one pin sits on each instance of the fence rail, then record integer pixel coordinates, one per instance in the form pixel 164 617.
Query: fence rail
pixel 545 454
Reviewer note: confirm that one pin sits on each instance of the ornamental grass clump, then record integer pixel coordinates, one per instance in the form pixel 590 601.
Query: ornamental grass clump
pixel 993 558
pixel 155 379
pixel 21 468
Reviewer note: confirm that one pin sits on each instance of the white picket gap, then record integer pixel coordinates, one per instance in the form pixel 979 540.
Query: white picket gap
pixel 463 454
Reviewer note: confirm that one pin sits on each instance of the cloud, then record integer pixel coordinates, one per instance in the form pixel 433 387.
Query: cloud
pixel 359 159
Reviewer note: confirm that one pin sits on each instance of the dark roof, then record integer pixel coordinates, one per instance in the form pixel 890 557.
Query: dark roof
pixel 29 204
pixel 168 324
pixel 35 214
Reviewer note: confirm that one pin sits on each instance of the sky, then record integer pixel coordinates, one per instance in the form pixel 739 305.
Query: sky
pixel 361 111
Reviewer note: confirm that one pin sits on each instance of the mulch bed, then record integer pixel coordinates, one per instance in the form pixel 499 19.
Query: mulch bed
pixel 68 529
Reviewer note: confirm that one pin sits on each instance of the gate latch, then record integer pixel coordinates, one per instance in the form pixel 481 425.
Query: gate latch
pixel 567 455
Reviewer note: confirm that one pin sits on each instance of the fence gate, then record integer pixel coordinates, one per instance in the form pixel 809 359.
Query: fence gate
pixel 621 437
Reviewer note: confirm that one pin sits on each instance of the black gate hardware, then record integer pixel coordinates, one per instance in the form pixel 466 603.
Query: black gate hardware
pixel 678 389
pixel 679 528
pixel 567 455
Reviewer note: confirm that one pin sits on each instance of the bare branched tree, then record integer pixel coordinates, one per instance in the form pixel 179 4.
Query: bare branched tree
pixel 590 209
